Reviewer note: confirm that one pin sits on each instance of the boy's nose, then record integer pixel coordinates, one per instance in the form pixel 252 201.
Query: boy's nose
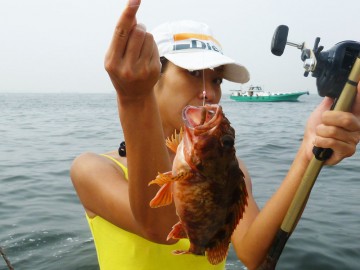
pixel 208 93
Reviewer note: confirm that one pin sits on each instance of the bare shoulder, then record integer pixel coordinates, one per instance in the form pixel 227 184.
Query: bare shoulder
pixel 246 174
pixel 88 163
pixel 98 181
pixel 85 164
pixel 84 160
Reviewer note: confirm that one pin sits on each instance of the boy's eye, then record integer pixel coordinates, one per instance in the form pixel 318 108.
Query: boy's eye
pixel 218 81
pixel 196 73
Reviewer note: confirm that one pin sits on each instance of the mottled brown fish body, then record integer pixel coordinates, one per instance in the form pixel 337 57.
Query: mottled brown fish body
pixel 207 184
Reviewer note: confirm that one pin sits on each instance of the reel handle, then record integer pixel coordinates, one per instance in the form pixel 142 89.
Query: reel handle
pixel 279 40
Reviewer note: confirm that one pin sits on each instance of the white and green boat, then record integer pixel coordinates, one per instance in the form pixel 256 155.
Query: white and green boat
pixel 257 94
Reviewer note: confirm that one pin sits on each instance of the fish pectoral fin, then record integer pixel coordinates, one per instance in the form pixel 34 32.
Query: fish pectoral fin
pixel 162 179
pixel 218 253
pixel 168 177
pixel 177 232
pixel 163 196
pixel 173 142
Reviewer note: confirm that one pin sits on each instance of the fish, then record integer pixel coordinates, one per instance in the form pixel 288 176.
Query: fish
pixel 205 183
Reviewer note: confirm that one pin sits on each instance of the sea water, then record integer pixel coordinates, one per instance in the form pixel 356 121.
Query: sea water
pixel 42 223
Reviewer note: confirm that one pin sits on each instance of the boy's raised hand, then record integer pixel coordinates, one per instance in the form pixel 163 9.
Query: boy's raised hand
pixel 132 59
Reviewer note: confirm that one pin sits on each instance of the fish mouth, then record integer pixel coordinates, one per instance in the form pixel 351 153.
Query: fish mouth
pixel 202 118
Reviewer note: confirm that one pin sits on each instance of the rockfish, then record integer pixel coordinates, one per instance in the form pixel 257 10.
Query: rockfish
pixel 206 183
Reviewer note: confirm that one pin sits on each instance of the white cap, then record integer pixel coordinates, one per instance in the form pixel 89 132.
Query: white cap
pixel 190 45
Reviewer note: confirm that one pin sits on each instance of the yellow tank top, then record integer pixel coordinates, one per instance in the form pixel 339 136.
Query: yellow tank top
pixel 118 249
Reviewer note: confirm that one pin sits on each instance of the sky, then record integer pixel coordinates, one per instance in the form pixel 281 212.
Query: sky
pixel 59 45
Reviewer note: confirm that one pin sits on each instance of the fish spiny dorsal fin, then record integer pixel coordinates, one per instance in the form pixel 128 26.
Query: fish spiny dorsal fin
pixel 237 208
pixel 175 140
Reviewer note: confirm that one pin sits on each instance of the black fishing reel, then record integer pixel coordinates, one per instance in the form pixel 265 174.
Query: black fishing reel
pixel 331 68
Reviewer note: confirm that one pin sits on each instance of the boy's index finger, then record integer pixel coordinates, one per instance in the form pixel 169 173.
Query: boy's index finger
pixel 123 28
pixel 128 18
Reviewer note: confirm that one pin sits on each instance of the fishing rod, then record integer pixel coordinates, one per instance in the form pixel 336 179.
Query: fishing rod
pixel 2 253
pixel 337 73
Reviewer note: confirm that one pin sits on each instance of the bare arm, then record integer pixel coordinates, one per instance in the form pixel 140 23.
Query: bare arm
pixel 133 64
pixel 103 190
pixel 328 129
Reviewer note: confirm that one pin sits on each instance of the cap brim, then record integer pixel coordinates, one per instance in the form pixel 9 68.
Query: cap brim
pixel 207 59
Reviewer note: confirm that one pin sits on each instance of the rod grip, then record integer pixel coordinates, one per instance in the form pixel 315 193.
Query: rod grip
pixel 344 103
pixel 275 251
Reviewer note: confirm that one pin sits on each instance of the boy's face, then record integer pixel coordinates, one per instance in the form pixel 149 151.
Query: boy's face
pixel 178 87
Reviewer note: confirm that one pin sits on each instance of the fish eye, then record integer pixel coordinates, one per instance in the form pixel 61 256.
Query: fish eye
pixel 227 141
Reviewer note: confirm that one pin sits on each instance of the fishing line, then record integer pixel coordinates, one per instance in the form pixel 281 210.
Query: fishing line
pixel 204 89
pixel 203 72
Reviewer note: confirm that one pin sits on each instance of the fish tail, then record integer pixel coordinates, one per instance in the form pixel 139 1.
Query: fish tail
pixel 218 253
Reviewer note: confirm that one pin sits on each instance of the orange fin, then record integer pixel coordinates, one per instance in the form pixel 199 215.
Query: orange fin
pixel 177 232
pixel 163 196
pixel 180 252
pixel 162 179
pixel 218 253
pixel 175 140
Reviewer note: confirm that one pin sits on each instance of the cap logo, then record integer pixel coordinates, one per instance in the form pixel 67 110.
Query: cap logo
pixel 185 41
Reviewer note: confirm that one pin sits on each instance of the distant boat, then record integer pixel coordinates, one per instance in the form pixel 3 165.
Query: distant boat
pixel 257 94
